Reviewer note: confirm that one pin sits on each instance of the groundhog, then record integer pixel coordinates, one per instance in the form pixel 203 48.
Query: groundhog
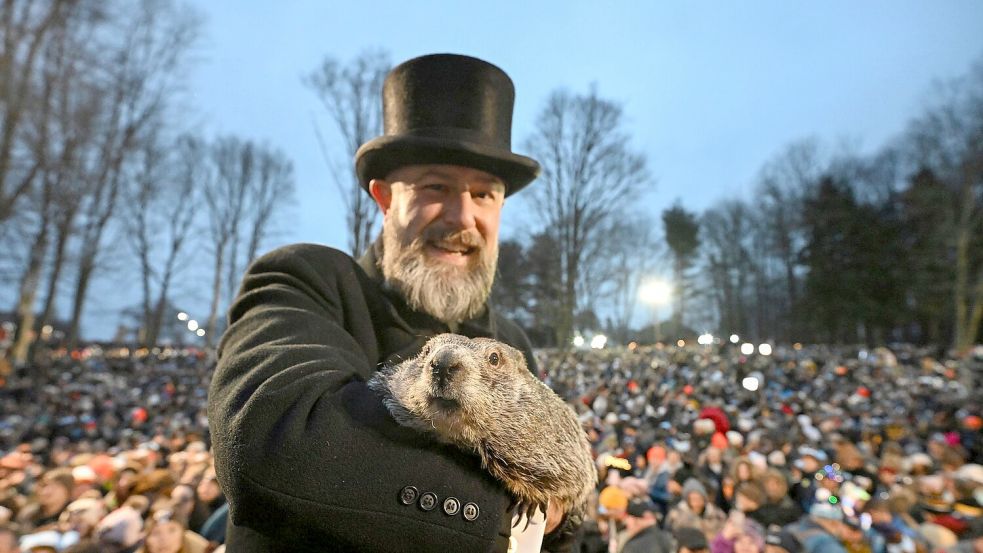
pixel 478 395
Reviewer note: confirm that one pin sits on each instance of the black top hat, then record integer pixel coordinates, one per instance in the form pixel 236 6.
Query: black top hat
pixel 447 108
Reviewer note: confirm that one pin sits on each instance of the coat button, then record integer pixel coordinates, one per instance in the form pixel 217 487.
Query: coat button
pixel 408 495
pixel 452 506
pixel 428 501
pixel 470 511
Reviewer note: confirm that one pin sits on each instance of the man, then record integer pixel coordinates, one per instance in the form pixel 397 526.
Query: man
pixel 691 540
pixel 819 531
pixel 640 529
pixel 308 456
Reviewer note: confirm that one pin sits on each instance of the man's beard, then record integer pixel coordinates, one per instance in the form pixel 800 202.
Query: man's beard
pixel 449 293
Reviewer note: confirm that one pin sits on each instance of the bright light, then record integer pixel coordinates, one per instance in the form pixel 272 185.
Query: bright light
pixel 705 339
pixel 747 349
pixel 734 338
pixel 655 292
pixel 182 316
pixel 764 349
pixel 200 332
pixel 750 383
pixel 578 341
pixel 598 341
pixel 681 343
pixel 192 325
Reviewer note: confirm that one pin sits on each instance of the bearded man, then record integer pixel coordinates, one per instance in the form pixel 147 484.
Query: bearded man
pixel 308 456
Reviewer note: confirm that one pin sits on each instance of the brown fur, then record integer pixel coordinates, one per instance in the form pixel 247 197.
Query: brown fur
pixel 526 436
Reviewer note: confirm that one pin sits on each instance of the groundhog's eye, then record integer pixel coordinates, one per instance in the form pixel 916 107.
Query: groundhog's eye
pixel 493 359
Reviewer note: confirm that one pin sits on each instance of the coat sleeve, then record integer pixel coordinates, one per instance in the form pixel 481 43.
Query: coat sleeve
pixel 304 451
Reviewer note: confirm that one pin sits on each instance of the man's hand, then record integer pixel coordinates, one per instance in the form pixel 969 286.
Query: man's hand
pixel 554 516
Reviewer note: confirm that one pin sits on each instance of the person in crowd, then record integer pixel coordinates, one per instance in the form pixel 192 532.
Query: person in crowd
pixel 167 533
pixel 53 494
pixel 695 510
pixel 642 532
pixel 778 507
pixel 691 540
pixel 739 534
pixel 821 530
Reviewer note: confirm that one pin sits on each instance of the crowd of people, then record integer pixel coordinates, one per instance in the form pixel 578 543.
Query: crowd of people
pixel 698 448
pixel 804 449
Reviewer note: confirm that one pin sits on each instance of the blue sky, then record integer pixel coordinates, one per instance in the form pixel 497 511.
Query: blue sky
pixel 711 90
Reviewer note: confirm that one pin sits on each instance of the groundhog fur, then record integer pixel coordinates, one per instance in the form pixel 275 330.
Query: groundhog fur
pixel 478 395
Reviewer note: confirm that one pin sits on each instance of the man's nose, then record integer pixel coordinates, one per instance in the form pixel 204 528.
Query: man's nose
pixel 459 211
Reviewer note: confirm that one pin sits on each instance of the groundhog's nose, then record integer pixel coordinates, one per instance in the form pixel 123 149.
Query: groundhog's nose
pixel 445 363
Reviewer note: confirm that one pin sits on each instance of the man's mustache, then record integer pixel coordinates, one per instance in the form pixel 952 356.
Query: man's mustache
pixel 452 239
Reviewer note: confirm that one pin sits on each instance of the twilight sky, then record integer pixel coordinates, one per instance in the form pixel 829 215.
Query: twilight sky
pixel 710 90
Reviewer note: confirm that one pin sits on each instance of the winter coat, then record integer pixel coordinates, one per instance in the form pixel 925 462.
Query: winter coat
pixel 310 458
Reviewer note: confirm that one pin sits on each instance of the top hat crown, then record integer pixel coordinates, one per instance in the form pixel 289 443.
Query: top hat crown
pixel 450 109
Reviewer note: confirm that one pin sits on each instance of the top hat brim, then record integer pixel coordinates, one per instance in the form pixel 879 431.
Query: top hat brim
pixel 381 155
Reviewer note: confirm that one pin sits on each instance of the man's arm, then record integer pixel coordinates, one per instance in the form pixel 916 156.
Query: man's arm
pixel 305 452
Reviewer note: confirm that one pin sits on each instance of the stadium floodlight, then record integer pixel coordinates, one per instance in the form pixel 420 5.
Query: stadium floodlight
pixel 182 316
pixel 747 348
pixel 598 341
pixel 200 332
pixel 192 325
pixel 578 341
pixel 764 349
pixel 750 383
pixel 734 338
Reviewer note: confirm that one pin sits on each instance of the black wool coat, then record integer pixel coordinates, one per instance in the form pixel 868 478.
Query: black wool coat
pixel 307 455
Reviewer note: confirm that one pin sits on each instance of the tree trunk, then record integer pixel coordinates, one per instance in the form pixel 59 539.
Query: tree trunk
pixel 216 295
pixel 86 267
pixel 28 293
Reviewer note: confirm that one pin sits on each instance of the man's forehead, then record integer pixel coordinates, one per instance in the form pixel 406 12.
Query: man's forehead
pixel 411 173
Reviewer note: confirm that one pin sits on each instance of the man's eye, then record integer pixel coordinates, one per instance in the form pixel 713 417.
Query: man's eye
pixel 435 187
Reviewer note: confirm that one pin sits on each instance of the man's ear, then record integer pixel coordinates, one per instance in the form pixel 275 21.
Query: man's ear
pixel 382 193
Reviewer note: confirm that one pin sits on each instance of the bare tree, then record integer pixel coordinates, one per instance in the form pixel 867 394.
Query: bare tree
pixel 51 134
pixel 26 27
pixel 249 183
pixel 588 172
pixel 948 139
pixel 146 47
pixel 225 197
pixel 271 189
pixel 631 255
pixel 160 209
pixel 351 96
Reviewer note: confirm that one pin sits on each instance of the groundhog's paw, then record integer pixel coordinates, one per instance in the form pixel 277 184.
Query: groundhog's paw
pixel 527 509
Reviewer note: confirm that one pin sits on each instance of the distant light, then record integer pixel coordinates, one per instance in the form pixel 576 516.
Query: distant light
pixel 681 343
pixel 598 341
pixel 578 341
pixel 764 349
pixel 750 383
pixel 734 338
pixel 632 346
pixel 192 325
pixel 747 348
pixel 182 316
pixel 200 332
pixel 796 346
pixel 705 339
pixel 655 292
